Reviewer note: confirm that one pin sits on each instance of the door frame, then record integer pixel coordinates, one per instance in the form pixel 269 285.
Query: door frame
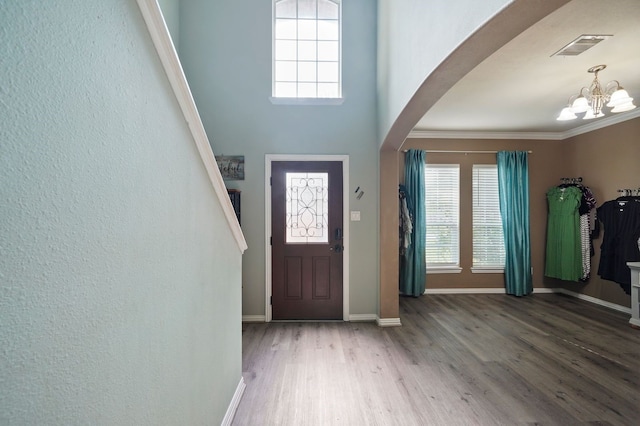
pixel 268 159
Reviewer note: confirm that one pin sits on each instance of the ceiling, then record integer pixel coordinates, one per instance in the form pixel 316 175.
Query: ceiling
pixel 521 88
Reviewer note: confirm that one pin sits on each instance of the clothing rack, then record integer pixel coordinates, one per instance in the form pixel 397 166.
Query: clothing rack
pixel 629 192
pixel 571 181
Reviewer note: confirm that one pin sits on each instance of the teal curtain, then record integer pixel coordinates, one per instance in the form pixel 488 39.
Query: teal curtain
pixel 513 186
pixel 413 265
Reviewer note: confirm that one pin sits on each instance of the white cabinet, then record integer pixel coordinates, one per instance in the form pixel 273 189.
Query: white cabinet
pixel 635 293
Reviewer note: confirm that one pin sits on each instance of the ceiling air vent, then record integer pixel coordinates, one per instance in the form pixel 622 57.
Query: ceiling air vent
pixel 582 43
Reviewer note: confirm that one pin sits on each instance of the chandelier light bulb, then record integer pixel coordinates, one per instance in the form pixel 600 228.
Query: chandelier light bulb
pixel 623 107
pixel 580 105
pixel 590 115
pixel 619 97
pixel 566 114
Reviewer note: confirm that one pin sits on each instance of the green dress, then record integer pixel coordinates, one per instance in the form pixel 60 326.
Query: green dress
pixel 563 255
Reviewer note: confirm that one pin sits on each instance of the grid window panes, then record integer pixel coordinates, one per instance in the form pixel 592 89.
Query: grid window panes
pixel 488 240
pixel 306 49
pixel 442 202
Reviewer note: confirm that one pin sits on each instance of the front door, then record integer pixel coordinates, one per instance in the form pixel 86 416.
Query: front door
pixel 307 240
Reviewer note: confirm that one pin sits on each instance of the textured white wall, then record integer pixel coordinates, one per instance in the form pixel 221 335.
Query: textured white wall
pixel 120 283
pixel 414 37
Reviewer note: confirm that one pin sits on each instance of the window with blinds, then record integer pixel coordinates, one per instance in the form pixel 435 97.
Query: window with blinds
pixel 442 202
pixel 488 240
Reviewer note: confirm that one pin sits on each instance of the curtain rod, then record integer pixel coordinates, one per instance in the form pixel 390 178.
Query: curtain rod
pixel 460 152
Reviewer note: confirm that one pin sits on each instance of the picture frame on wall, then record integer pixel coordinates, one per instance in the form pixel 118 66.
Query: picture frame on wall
pixel 231 166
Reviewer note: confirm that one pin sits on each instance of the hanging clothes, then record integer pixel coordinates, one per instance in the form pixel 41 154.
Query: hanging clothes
pixel 585 247
pixel 621 221
pixel 413 270
pixel 406 222
pixel 564 254
pixel 587 211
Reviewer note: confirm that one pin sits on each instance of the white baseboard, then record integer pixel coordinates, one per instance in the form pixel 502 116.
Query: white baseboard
pixel 464 291
pixel 545 290
pixel 490 290
pixel 233 405
pixel 253 318
pixel 395 322
pixel 352 318
pixel 363 317
pixel 388 322
pixel 595 300
pixel 538 290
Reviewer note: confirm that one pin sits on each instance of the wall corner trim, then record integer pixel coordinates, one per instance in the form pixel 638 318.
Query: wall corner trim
pixel 171 63
pixel 233 405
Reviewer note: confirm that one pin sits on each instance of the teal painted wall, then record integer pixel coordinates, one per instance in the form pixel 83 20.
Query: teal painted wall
pixel 171 14
pixel 120 299
pixel 225 49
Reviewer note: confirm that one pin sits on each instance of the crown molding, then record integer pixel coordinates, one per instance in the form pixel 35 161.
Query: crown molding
pixel 445 134
pixel 590 127
pixel 605 122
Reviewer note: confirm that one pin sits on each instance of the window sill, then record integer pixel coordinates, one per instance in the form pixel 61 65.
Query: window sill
pixel 306 101
pixel 443 270
pixel 487 270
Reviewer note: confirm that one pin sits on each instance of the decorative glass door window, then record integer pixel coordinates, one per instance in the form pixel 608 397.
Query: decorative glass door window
pixel 307 207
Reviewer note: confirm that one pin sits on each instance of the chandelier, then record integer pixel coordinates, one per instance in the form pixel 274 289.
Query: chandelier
pixel 592 99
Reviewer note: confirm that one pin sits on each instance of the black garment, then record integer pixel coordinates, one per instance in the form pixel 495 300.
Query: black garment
pixel 621 220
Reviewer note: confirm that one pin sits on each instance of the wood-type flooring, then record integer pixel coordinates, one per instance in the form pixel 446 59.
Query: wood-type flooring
pixel 544 359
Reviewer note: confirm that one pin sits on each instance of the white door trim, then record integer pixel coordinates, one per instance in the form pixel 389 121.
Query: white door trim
pixel 269 158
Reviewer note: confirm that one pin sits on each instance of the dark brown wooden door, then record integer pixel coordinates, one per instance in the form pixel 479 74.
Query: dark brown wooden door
pixel 307 240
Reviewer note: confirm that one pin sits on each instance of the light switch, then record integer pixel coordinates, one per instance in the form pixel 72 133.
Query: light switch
pixel 355 216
